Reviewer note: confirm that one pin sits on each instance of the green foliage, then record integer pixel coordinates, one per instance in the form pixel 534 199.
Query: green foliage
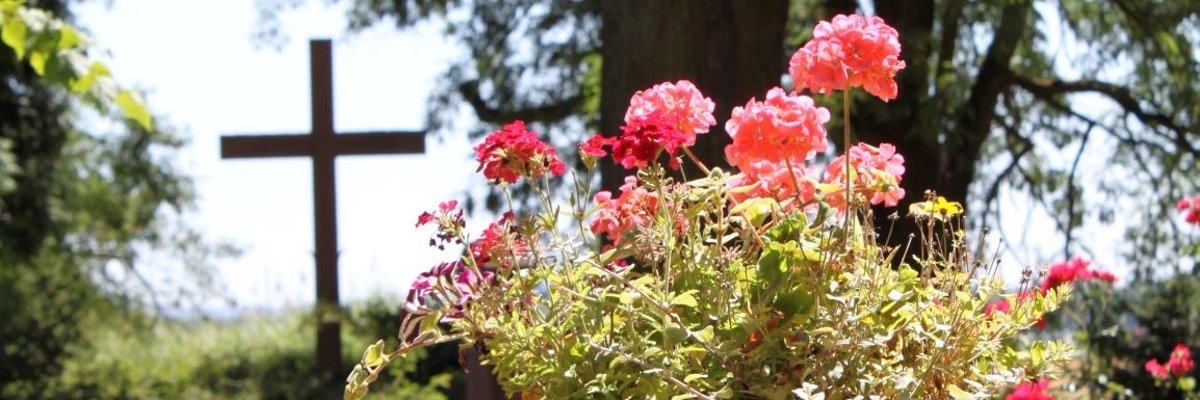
pixel 1122 329
pixel 734 307
pixel 78 207
pixel 58 53
pixel 266 357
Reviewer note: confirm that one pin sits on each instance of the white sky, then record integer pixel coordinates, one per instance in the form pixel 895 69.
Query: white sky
pixel 202 73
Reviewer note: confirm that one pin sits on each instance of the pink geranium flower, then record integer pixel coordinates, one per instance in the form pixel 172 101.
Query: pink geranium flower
pixel 616 216
pixel 1158 371
pixel 766 179
pixel 781 128
pixel 877 172
pixel 665 117
pixel 849 51
pixel 679 106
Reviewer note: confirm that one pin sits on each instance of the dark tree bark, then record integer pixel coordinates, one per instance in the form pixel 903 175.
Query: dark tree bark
pixel 731 49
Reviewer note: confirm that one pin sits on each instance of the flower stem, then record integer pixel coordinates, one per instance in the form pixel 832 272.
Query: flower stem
pixel 846 152
pixel 696 160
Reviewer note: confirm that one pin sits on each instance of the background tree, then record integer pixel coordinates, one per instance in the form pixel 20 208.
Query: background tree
pixel 78 202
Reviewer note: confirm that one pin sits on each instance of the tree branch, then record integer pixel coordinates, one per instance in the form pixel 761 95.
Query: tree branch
pixel 1048 89
pixel 552 112
pixel 949 22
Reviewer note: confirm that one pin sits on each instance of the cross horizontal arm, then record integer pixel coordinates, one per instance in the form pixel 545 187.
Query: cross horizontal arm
pixel 366 143
pixel 255 146
pixel 379 143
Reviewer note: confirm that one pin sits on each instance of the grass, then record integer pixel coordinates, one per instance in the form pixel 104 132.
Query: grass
pixel 260 357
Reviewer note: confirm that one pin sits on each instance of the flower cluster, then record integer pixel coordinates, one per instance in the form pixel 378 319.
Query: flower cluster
pixel 513 152
pixel 679 106
pixel 1178 365
pixel 500 242
pixel 1191 209
pixel 447 288
pixel 846 52
pixel 1030 391
pixel 665 117
pixel 449 220
pixel 777 180
pixel 1072 270
pixel 1062 273
pixel 781 128
pixel 875 171
pixel 634 208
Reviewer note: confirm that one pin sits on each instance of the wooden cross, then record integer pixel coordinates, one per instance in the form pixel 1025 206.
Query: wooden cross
pixel 323 144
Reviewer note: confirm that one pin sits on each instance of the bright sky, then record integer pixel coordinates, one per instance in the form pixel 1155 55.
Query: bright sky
pixel 202 73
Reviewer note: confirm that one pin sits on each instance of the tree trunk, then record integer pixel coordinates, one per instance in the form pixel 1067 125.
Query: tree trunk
pixel 731 50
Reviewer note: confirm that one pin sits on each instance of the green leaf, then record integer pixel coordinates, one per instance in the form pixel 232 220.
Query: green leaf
pixel 134 109
pixel 374 357
pixel 37 60
pixel 96 71
pixel 685 299
pixel 1037 353
pixel 14 33
pixel 787 230
pixel 1187 384
pixel 795 303
pixel 957 393
pixel 68 38
pixel 705 335
pixel 756 209
pixel 676 333
pixel 774 260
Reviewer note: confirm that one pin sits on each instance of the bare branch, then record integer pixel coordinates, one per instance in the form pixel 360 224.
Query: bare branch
pixel 1049 89
pixel 552 112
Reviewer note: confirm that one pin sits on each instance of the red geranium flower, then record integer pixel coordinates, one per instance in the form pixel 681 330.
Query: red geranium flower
pixel 594 146
pixel 449 221
pixel 1031 391
pixel 1068 272
pixel 1181 360
pixel 500 241
pixel 1191 209
pixel 639 145
pixel 513 152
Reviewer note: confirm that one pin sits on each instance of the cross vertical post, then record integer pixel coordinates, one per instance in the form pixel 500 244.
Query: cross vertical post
pixel 329 339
